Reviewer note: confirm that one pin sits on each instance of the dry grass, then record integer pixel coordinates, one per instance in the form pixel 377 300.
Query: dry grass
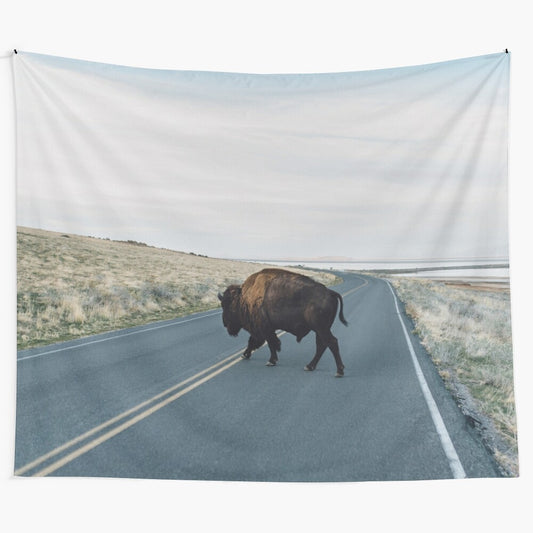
pixel 468 334
pixel 70 286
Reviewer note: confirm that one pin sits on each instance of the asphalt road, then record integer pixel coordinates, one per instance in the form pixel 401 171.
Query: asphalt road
pixel 175 400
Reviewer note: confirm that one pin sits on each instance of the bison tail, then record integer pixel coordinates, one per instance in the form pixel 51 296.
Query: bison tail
pixel 341 314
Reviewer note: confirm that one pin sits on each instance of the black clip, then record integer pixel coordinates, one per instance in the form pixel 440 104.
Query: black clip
pixel 506 51
pixel 15 50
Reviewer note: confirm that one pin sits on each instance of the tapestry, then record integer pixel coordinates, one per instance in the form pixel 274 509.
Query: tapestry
pixel 263 277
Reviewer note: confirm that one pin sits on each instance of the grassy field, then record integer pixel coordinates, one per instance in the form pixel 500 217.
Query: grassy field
pixel 467 332
pixel 70 286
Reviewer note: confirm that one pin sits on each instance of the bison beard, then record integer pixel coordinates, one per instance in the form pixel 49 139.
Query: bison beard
pixel 275 299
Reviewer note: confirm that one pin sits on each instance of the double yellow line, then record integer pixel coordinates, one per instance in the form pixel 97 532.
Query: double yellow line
pixel 167 396
pixel 128 418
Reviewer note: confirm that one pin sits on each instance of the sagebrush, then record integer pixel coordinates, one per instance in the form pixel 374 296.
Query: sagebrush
pixel 70 286
pixel 468 334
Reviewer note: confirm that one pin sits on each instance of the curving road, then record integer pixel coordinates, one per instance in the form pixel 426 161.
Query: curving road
pixel 175 400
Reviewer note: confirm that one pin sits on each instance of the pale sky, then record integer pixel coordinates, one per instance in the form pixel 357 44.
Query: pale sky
pixel 404 163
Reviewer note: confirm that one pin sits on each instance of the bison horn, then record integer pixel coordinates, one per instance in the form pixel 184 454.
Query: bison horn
pixel 220 296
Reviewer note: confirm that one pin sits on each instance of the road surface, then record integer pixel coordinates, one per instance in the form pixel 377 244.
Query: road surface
pixel 174 400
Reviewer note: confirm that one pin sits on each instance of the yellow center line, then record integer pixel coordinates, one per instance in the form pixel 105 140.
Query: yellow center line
pixel 132 421
pixel 356 288
pixel 83 436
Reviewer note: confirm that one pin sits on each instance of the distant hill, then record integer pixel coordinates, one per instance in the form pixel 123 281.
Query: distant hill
pixel 320 259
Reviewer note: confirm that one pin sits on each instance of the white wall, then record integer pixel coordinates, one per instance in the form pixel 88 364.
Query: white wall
pixel 271 36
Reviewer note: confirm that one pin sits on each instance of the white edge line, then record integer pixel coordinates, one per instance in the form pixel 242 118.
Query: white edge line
pixel 447 444
pixel 113 337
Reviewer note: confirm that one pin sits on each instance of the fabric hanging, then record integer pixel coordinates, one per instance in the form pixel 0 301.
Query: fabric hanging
pixel 146 200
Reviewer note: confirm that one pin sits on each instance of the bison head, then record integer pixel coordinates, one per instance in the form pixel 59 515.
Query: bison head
pixel 231 303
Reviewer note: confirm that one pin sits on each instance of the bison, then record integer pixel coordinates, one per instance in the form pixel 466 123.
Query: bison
pixel 275 299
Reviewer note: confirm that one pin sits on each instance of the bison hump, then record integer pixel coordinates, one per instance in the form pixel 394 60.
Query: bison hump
pixel 254 288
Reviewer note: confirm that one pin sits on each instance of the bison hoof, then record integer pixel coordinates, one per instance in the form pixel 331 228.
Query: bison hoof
pixel 339 374
pixel 270 363
pixel 308 368
pixel 246 356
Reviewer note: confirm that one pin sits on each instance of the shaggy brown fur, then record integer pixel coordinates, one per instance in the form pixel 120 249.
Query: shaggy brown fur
pixel 275 299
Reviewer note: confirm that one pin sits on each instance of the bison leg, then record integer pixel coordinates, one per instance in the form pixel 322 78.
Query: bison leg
pixel 275 346
pixel 334 347
pixel 320 348
pixel 327 340
pixel 253 344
